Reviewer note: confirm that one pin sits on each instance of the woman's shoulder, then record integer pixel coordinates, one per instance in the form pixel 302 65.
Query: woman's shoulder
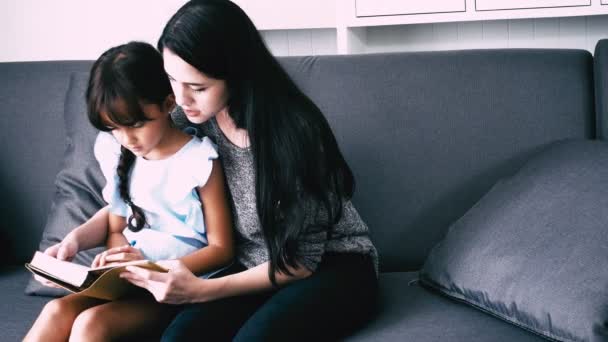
pixel 197 160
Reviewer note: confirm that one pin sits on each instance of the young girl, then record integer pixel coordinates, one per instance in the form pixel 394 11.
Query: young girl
pixel 159 180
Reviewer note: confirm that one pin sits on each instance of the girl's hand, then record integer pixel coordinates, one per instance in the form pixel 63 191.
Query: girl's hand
pixel 65 250
pixel 46 282
pixel 178 286
pixel 117 254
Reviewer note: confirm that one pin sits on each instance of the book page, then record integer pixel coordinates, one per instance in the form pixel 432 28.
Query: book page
pixel 66 271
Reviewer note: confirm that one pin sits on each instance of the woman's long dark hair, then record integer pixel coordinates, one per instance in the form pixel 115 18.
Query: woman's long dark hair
pixel 296 156
pixel 121 80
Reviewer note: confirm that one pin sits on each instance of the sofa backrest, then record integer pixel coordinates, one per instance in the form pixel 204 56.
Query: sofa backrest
pixel 32 96
pixel 600 71
pixel 426 134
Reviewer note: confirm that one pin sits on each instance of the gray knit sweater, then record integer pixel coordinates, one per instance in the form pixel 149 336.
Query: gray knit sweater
pixel 349 235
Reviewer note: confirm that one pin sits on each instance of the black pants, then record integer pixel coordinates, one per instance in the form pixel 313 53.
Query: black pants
pixel 339 297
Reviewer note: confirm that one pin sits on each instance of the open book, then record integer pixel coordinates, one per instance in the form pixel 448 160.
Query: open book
pixel 102 282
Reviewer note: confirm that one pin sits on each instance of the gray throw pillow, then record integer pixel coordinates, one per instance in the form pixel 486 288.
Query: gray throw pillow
pixel 534 250
pixel 78 184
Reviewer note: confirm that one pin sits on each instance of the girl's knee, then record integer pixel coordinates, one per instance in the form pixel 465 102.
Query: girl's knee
pixel 56 318
pixel 90 326
pixel 56 309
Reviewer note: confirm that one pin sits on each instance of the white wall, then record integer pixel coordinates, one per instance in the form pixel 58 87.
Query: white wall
pixel 301 42
pixel 81 29
pixel 33 30
pixel 569 32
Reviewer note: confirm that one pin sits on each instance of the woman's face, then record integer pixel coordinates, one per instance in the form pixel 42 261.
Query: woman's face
pixel 201 97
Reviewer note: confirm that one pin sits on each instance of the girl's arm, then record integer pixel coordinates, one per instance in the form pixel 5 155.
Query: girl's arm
pixel 180 286
pixel 90 234
pixel 116 224
pixel 218 224
pixel 119 249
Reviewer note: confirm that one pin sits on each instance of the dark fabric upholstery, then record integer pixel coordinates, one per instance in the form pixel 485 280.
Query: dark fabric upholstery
pixel 600 70
pixel 32 97
pixel 18 310
pixel 427 134
pixel 406 313
pixel 78 183
pixel 412 313
pixel 534 250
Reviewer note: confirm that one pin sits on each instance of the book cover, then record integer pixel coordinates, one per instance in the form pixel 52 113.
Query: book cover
pixel 101 282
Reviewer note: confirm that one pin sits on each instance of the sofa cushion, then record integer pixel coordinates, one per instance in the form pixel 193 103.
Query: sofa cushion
pixel 19 311
pixel 409 312
pixel 78 183
pixel 534 250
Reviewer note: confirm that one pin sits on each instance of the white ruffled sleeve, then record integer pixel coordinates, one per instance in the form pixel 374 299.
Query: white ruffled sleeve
pixel 202 161
pixel 107 153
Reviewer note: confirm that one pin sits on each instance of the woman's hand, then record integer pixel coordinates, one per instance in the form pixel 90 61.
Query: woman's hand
pixel 178 286
pixel 117 254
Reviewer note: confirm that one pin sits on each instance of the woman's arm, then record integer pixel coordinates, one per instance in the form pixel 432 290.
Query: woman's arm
pixel 180 286
pixel 218 225
pixel 252 280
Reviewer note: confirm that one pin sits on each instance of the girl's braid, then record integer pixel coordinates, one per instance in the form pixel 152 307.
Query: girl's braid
pixel 137 221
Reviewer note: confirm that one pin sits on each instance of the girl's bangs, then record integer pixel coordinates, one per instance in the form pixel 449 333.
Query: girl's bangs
pixel 117 110
pixel 125 111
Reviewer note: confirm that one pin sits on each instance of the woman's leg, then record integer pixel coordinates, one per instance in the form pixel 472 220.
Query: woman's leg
pixel 328 305
pixel 129 319
pixel 214 321
pixel 57 317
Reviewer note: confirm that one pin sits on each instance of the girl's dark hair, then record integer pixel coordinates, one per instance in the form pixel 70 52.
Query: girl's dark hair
pixel 296 156
pixel 121 80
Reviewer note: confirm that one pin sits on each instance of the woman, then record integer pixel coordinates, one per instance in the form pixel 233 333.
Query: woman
pixel 305 267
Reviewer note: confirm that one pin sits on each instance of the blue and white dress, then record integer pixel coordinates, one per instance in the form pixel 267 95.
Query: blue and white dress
pixel 166 190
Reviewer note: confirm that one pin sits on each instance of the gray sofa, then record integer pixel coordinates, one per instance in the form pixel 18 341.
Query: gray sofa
pixel 426 134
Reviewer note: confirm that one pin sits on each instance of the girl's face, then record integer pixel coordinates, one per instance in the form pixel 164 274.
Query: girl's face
pixel 145 139
pixel 201 97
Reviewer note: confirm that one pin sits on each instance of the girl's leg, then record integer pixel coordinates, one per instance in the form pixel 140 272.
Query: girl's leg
pixel 328 305
pixel 57 317
pixel 128 319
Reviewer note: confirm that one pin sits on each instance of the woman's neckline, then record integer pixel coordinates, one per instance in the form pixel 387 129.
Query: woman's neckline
pixel 227 141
